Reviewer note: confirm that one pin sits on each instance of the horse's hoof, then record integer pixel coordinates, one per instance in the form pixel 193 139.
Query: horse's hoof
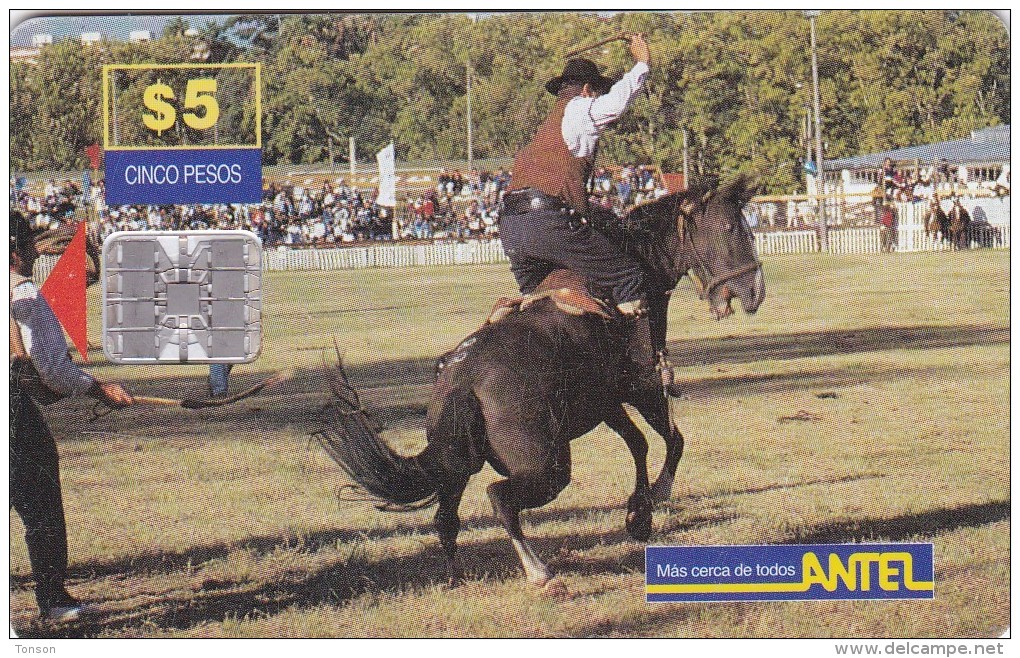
pixel 662 491
pixel 639 526
pixel 556 589
pixel 454 574
pixel 639 517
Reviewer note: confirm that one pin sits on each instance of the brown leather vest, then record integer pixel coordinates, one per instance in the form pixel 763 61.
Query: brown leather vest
pixel 547 165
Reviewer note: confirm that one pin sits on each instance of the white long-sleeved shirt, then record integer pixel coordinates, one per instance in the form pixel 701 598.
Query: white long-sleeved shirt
pixel 44 341
pixel 584 118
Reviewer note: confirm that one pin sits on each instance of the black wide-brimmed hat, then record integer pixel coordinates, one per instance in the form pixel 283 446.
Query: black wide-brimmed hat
pixel 580 71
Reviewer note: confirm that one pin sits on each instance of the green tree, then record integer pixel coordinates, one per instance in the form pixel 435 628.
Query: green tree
pixel 24 100
pixel 67 116
pixel 738 84
pixel 313 102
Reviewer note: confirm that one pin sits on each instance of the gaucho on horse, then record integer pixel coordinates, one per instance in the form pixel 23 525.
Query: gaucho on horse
pixel 587 335
pixel 546 221
pixel 516 392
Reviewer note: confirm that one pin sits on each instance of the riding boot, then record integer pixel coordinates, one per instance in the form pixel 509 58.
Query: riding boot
pixel 646 371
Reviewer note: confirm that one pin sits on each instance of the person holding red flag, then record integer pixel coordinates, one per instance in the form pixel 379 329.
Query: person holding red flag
pixel 42 372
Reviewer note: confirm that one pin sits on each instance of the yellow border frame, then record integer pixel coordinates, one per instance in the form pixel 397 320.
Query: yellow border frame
pixel 234 65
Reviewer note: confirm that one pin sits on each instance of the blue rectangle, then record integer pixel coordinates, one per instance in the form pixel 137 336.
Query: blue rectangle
pixel 794 572
pixel 177 176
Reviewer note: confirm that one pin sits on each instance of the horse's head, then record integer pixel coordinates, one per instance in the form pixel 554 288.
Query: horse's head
pixel 717 247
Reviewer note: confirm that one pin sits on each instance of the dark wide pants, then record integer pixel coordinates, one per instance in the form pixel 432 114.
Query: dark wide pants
pixel 541 241
pixel 35 495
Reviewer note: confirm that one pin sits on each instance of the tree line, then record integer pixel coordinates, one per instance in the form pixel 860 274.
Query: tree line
pixel 738 84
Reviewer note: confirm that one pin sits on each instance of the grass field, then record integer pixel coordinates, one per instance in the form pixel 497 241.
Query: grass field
pixel 867 400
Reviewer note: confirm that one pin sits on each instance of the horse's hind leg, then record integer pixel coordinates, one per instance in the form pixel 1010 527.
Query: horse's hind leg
pixel 448 527
pixel 639 506
pixel 656 412
pixel 455 430
pixel 525 490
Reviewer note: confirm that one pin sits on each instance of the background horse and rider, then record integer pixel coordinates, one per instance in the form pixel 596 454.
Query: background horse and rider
pixel 936 222
pixel 515 393
pixel 959 225
pixel 952 227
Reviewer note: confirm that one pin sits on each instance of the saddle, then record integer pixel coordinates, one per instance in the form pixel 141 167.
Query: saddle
pixel 566 289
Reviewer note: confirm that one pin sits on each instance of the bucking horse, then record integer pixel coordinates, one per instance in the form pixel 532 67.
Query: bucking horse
pixel 517 391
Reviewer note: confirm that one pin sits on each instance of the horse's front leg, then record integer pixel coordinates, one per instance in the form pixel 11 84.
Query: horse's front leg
pixel 639 506
pixel 655 410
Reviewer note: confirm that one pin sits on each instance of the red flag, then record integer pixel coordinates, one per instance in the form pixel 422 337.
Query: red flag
pixel 92 152
pixel 64 289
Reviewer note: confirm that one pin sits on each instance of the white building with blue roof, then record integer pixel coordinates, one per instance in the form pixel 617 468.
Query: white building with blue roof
pixel 979 161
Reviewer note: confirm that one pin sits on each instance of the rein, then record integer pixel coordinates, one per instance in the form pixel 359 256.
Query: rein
pixel 705 290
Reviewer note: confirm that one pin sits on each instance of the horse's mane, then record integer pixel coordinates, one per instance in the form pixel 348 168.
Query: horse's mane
pixel 935 211
pixel 648 232
pixel 958 216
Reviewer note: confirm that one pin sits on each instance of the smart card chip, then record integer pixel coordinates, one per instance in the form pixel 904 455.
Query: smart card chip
pixel 182 296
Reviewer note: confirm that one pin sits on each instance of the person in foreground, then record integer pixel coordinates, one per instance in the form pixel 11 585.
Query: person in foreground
pixel 42 373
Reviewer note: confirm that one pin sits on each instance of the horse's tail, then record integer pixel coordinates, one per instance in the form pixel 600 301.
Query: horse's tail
pixel 352 439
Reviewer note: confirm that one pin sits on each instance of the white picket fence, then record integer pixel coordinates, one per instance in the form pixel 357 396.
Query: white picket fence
pixel 868 240
pixel 855 241
pixel 348 258
pixel 841 241
pixel 786 242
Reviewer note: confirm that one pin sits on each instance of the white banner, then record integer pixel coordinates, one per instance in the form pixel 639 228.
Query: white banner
pixel 387 177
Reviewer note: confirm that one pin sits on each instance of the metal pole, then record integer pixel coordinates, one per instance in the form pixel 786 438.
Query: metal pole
pixel 686 181
pixel 823 229
pixel 354 162
pixel 470 141
pixel 470 149
pixel 807 138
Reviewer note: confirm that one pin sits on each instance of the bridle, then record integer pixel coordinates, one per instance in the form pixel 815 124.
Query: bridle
pixel 705 290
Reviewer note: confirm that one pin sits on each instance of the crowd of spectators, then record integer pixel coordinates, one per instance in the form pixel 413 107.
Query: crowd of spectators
pixel 334 214
pixel 942 178
pixel 57 202
pixel 630 186
pixel 459 207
